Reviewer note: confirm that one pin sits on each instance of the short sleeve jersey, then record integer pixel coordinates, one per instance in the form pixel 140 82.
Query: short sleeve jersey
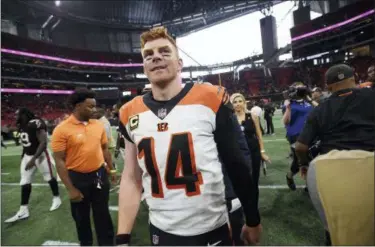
pixel 182 174
pixel 28 135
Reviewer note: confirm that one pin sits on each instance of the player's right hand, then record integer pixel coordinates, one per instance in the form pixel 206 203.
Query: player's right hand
pixel 75 195
pixel 251 235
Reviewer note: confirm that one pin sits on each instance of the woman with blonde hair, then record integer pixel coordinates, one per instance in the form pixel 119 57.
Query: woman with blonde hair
pixel 251 128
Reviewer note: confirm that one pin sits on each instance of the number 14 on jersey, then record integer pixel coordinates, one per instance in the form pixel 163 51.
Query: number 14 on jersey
pixel 180 170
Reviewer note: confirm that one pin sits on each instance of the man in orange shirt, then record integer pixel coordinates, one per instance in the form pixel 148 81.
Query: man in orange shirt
pixel 83 163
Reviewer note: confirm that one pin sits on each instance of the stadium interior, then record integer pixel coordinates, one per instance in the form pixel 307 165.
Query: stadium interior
pixel 50 48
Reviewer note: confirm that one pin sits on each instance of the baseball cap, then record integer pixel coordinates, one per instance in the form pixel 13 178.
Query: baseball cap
pixel 338 73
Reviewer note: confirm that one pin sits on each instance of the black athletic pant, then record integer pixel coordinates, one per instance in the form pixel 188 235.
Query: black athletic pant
pixel 256 159
pixel 294 168
pixel 97 199
pixel 270 129
pixel 218 237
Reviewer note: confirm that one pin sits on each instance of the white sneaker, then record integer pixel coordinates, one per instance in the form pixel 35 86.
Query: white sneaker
pixel 23 213
pixel 56 202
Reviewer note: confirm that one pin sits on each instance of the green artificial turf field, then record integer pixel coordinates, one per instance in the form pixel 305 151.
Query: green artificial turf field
pixel 288 217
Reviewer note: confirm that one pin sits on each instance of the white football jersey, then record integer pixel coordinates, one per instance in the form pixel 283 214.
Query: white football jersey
pixel 182 174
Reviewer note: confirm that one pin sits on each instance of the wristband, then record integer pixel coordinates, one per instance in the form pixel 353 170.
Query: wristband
pixel 263 151
pixel 113 171
pixel 122 239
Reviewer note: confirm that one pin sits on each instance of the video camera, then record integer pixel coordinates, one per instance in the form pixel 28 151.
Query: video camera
pixel 297 92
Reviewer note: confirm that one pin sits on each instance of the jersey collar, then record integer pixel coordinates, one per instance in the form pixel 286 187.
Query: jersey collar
pixel 72 119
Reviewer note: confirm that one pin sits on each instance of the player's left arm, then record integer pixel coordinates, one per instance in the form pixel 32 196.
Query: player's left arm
pixel 308 134
pixel 227 140
pixel 41 135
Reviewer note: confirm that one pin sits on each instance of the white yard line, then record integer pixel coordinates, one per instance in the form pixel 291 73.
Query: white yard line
pixel 275 140
pixel 6 173
pixel 11 154
pixel 113 208
pixel 34 184
pixel 58 243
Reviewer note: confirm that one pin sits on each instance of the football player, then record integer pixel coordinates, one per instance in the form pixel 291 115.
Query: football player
pixel 33 137
pixel 174 136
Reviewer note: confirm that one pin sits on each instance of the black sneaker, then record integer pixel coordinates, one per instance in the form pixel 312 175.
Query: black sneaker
pixel 290 183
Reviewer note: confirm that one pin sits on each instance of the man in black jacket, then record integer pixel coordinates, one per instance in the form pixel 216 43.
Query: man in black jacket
pixel 269 110
pixel 341 179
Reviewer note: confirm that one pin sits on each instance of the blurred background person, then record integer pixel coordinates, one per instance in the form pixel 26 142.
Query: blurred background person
pixel 297 109
pixel 370 82
pixel 318 95
pixel 120 142
pixel 269 111
pixel 371 74
pixel 100 115
pixel 257 111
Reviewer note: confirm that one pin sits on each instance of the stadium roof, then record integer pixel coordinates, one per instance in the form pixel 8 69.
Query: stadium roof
pixel 180 16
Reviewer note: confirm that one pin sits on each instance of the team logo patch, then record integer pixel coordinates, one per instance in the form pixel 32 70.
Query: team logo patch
pixel 155 239
pixel 162 113
pixel 162 127
pixel 134 122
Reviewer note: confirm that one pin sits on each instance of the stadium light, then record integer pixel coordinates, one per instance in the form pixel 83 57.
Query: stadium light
pixel 35 91
pixel 334 26
pixel 57 3
pixel 71 61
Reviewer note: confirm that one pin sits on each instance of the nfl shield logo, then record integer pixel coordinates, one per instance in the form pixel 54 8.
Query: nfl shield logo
pixel 155 239
pixel 162 113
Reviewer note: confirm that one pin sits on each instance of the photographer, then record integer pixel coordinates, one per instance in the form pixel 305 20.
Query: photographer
pixel 297 109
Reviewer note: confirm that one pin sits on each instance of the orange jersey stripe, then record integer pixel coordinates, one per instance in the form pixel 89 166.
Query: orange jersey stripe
pixel 134 107
pixel 207 95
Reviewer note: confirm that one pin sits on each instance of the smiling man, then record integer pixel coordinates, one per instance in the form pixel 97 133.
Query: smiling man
pixel 174 136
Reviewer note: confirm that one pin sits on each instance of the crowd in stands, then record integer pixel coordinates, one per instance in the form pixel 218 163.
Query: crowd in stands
pixel 49 107
pixel 252 83
pixel 21 44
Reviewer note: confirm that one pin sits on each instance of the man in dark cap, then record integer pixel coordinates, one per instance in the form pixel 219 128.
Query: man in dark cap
pixel 341 179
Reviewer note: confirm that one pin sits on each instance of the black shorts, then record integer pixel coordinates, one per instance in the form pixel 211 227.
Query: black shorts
pixel 218 237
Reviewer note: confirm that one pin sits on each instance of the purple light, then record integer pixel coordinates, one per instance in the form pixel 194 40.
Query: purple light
pixel 71 61
pixel 35 91
pixel 337 25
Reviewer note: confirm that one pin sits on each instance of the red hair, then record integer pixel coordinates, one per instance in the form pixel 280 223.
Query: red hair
pixel 156 33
